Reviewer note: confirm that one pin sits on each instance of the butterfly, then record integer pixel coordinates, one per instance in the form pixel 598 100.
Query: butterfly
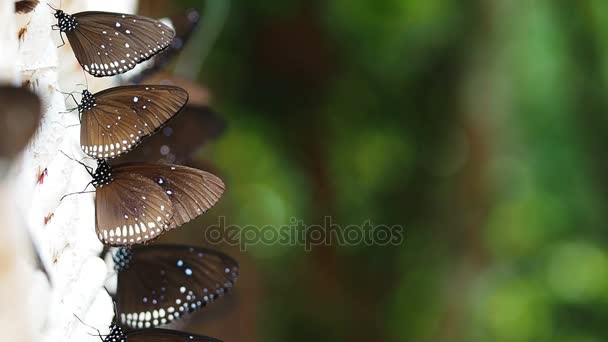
pixel 153 335
pixel 184 25
pixel 138 202
pixel 20 114
pixel 178 141
pixel 160 283
pixel 108 44
pixel 116 119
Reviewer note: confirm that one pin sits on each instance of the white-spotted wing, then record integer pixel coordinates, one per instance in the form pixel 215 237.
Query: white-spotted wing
pixel 179 140
pixel 131 209
pixel 158 284
pixel 138 202
pixel 191 191
pixel 108 44
pixel 115 120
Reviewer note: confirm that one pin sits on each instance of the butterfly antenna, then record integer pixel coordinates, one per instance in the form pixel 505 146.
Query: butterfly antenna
pixel 70 126
pixel 63 92
pixel 69 94
pixel 51 6
pixel 85 80
pixel 115 308
pixel 105 251
pixel 89 169
pixel 109 294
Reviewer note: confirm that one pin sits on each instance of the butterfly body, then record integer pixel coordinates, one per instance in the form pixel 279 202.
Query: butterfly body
pixel 65 21
pixel 102 175
pixel 122 259
pixel 116 334
pixel 153 335
pixel 87 102
pixel 108 44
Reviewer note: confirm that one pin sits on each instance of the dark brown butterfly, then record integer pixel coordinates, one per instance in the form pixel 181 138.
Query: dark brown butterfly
pixel 153 335
pixel 25 6
pixel 108 44
pixel 160 283
pixel 178 141
pixel 20 114
pixel 115 120
pixel 137 202
pixel 184 25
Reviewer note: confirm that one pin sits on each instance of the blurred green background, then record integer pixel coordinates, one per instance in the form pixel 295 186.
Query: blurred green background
pixel 477 125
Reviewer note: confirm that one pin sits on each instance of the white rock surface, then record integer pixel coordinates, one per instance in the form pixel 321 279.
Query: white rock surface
pixel 33 308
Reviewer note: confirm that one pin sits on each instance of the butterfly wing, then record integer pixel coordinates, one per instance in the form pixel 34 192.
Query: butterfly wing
pixel 164 335
pixel 25 6
pixel 20 113
pixel 131 209
pixel 184 25
pixel 191 191
pixel 108 44
pixel 122 116
pixel 163 282
pixel 180 138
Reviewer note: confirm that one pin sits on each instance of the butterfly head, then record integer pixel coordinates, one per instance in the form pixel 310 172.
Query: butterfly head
pixel 65 21
pixel 88 101
pixel 122 259
pixel 116 334
pixel 103 174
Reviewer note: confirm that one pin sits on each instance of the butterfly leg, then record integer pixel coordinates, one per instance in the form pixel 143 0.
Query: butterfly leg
pixel 62 41
pixel 98 332
pixel 73 98
pixel 77 193
pixel 68 111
